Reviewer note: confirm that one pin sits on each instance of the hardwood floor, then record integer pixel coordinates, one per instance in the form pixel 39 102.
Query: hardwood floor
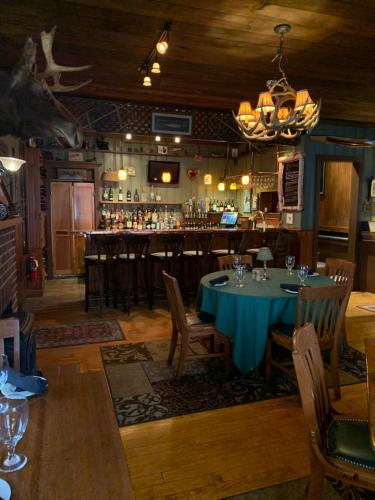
pixel 206 455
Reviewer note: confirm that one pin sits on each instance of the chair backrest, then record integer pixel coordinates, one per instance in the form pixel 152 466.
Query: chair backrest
pixel 203 243
pixel 10 328
pixel 234 241
pixel 324 307
pixel 107 246
pixel 175 302
pixel 137 245
pixel 341 271
pixel 173 243
pixel 309 369
pixel 226 261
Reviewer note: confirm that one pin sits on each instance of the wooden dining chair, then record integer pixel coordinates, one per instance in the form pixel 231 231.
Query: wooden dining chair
pixel 226 261
pixel 323 306
pixel 342 272
pixel 189 328
pixel 340 446
pixel 10 328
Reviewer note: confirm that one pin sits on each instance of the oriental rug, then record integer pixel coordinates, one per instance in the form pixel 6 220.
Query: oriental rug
pixel 296 490
pixel 144 387
pixel 85 332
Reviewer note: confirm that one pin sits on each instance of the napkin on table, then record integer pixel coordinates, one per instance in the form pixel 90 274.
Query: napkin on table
pixel 219 281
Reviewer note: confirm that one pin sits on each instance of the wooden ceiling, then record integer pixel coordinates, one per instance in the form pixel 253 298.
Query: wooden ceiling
pixel 220 50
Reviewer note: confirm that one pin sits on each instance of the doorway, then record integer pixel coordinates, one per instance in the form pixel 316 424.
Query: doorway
pixel 72 213
pixel 336 214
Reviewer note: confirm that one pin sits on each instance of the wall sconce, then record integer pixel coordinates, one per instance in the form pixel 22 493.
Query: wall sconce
pixel 11 164
pixel 245 180
pixel 122 174
pixel 207 179
pixel 221 186
pixel 166 177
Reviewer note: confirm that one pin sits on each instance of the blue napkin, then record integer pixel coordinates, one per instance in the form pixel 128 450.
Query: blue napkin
pixel 293 287
pixel 29 383
pixel 219 281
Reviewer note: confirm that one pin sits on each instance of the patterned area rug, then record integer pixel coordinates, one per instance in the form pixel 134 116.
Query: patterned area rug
pixel 296 490
pixel 86 332
pixel 144 388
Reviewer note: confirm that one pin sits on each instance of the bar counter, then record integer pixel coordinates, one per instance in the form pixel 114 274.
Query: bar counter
pixel 251 238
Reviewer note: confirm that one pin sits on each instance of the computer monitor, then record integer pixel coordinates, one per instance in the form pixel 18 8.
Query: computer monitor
pixel 229 219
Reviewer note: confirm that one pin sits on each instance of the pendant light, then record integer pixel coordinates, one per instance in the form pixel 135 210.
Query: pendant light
pixel 221 185
pixel 207 179
pixel 11 164
pixel 245 180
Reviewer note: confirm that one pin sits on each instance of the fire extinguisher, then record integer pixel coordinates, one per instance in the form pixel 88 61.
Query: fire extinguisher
pixel 32 265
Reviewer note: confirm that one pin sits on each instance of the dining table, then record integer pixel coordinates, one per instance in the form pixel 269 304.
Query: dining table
pixel 370 362
pixel 245 313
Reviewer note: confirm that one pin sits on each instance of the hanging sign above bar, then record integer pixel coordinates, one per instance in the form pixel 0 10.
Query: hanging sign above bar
pixel 290 186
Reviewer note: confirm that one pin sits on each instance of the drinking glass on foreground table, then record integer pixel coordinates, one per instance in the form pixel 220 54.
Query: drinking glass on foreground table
pixel 290 260
pixel 239 273
pixel 302 271
pixel 14 416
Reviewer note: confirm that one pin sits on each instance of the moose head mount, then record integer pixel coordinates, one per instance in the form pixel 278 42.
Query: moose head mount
pixel 28 107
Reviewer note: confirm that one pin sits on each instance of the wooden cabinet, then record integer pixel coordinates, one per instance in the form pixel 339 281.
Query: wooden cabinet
pixel 72 213
pixel 366 264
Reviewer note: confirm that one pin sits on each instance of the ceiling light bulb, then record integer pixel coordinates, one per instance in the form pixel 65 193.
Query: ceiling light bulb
pixel 122 174
pixel 11 164
pixel 162 47
pixel 221 186
pixel 155 68
pixel 177 139
pixel 128 136
pixel 147 81
pixel 207 179
pixel 245 180
pixel 157 138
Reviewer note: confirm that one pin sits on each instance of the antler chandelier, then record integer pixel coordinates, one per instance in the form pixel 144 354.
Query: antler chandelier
pixel 281 112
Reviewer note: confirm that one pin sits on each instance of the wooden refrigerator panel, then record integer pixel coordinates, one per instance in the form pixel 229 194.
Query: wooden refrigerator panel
pixel 84 220
pixel 61 227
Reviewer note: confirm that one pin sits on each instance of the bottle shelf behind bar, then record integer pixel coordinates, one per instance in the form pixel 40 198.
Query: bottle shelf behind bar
pixel 156 203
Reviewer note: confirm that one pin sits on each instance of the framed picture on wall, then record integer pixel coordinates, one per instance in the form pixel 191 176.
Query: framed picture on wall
pixel 165 123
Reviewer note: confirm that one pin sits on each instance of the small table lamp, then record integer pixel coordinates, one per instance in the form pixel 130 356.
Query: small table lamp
pixel 264 254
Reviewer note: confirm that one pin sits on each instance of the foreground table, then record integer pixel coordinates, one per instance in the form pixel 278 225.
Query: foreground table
pixel 73 444
pixel 245 314
pixel 370 360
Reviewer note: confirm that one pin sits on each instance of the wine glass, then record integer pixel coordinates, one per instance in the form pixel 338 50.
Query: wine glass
pixel 290 260
pixel 303 271
pixel 14 415
pixel 236 262
pixel 239 273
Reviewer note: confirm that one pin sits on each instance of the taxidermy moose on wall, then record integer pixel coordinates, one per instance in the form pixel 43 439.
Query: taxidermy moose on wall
pixel 28 107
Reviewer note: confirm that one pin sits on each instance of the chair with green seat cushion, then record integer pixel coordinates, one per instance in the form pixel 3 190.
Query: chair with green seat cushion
pixel 340 446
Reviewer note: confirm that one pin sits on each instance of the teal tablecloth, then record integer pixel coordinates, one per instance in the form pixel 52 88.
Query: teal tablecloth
pixel 245 314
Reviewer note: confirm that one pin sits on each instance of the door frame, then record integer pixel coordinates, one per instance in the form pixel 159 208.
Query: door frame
pixel 355 211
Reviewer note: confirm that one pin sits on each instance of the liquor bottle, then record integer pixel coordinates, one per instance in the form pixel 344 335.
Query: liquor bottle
pixel 129 222
pixel 128 195
pixel 134 221
pixel 214 206
pixel 136 195
pixel 152 194
pixel 221 208
pixel 110 194
pixel 120 196
pixel 105 195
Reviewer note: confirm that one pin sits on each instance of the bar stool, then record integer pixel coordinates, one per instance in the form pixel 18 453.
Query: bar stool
pixel 134 253
pixel 234 239
pixel 105 261
pixel 201 256
pixel 171 258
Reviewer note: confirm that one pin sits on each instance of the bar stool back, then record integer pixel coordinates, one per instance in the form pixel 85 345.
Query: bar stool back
pixel 171 258
pixel 105 261
pixel 202 255
pixel 134 253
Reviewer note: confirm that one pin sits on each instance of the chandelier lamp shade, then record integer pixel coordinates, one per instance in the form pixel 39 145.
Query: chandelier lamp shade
pixel 281 112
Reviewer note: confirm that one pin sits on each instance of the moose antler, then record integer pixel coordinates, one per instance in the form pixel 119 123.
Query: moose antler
pixel 53 70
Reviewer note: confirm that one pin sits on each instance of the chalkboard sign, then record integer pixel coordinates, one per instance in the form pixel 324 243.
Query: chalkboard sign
pixel 290 182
